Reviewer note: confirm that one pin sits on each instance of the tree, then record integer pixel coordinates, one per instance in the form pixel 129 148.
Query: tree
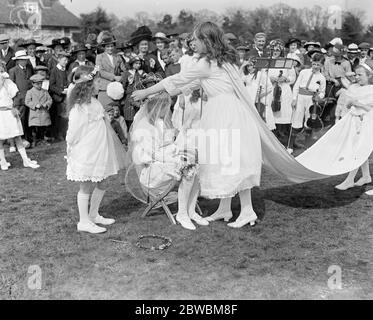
pixel 166 24
pixel 352 28
pixel 186 21
pixel 95 22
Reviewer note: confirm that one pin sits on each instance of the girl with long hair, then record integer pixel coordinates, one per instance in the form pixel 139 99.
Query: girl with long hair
pixel 225 115
pixel 94 152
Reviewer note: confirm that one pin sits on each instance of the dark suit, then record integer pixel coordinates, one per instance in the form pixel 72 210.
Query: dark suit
pixel 38 63
pixel 8 59
pixel 254 52
pixel 58 111
pixel 21 77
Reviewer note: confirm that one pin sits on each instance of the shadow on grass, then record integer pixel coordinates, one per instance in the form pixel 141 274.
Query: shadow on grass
pixel 319 194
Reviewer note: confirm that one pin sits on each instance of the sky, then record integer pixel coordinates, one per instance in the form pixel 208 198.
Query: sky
pixel 127 8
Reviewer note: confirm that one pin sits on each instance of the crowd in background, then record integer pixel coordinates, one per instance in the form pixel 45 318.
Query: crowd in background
pixel 43 73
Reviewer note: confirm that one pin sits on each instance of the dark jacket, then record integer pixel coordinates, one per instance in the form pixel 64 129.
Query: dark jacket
pixel 21 77
pixel 150 64
pixel 57 83
pixel 8 59
pixel 38 63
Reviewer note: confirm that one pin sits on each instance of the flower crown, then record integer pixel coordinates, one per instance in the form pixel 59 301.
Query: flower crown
pixel 88 77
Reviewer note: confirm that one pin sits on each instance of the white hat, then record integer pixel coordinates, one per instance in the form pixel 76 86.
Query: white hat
pixel 353 48
pixel 335 41
pixel 115 90
pixel 21 55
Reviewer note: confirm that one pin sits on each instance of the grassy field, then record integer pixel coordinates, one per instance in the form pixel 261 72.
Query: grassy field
pixel 304 230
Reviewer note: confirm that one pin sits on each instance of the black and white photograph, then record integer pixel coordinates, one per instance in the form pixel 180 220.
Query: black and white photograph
pixel 208 152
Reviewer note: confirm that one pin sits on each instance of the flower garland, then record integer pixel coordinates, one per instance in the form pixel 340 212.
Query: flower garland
pixel 165 244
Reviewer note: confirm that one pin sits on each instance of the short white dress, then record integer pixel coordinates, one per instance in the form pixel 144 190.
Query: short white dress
pixel 229 147
pixel 10 125
pixel 94 151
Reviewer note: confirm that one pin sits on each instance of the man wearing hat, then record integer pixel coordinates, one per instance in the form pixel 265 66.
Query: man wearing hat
pixel 108 63
pixel 352 56
pixel 140 39
pixel 364 49
pixel 6 52
pixel 161 42
pixel 21 75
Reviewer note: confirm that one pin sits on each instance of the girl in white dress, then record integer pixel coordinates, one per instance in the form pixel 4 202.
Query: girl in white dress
pixel 228 133
pixel 357 97
pixel 159 160
pixel 94 152
pixel 10 123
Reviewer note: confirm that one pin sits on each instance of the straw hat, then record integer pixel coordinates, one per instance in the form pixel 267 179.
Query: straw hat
pixel 21 55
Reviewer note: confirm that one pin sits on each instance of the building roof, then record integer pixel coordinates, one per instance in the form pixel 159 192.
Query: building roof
pixel 53 13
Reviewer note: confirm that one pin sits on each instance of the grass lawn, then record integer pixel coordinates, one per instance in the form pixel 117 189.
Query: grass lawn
pixel 304 230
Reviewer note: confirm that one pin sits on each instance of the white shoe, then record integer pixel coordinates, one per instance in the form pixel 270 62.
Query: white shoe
pixel 101 220
pixel 185 222
pixel 90 227
pixel 4 165
pixel 240 222
pixel 199 220
pixel 219 216
pixel 32 161
pixel 30 164
pixel 369 193
pixel 289 150
pixel 362 181
pixel 26 144
pixel 345 185
pixel 12 149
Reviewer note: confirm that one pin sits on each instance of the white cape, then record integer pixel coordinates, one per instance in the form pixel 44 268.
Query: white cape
pixel 342 149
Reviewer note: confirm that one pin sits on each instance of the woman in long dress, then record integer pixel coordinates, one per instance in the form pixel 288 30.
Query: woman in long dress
pixel 284 78
pixel 258 82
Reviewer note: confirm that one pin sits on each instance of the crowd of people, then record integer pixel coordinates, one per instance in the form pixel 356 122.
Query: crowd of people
pixel 39 85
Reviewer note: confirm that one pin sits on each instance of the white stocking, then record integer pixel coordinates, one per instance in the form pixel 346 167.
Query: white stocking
pixel 184 191
pixel 246 204
pixel 83 201
pixel 96 199
pixel 194 193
